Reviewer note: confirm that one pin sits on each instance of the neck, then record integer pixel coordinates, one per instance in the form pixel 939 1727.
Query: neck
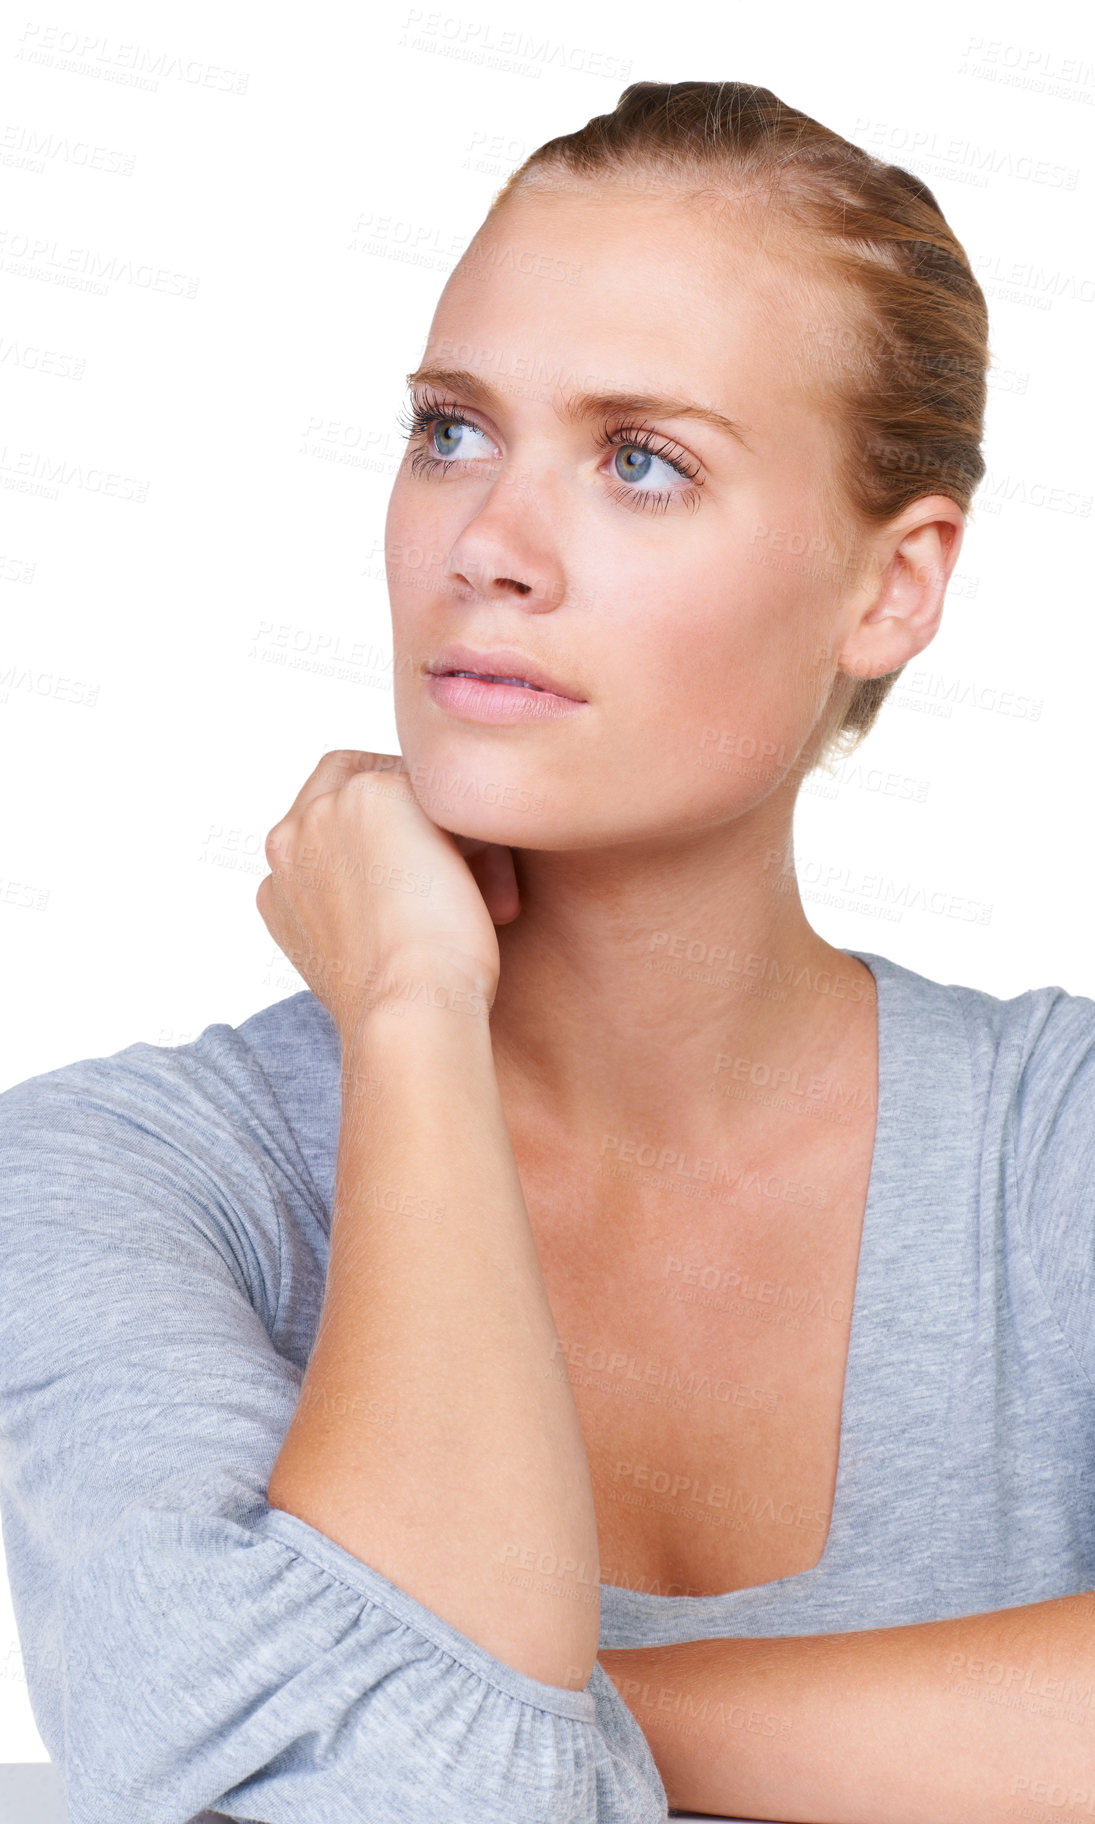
pixel 636 979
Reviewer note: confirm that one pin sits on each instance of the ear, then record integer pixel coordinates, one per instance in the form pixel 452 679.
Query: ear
pixel 898 612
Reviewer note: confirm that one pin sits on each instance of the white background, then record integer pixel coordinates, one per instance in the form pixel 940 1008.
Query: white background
pixel 275 203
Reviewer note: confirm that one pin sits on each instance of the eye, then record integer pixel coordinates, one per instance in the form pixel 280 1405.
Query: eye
pixel 423 420
pixel 629 438
pixel 442 444
pixel 449 445
pixel 440 431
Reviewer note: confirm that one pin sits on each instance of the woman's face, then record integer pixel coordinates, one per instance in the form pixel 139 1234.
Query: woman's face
pixel 700 610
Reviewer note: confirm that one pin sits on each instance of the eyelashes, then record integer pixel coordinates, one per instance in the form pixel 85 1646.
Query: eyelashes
pixel 423 413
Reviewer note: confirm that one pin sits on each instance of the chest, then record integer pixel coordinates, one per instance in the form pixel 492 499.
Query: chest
pixel 706 1346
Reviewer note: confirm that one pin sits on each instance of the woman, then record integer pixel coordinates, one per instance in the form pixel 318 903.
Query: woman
pixel 595 1258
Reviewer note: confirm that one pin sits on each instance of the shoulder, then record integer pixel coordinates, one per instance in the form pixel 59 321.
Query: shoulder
pixel 1029 1045
pixel 1017 1073
pixel 171 1150
pixel 224 1075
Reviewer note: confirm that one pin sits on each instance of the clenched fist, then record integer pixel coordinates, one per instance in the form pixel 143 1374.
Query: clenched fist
pixel 364 887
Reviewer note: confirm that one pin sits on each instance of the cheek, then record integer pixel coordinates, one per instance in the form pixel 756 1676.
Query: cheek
pixel 720 696
pixel 413 551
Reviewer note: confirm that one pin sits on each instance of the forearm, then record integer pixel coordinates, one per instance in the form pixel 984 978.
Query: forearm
pixel 477 1500
pixel 973 1721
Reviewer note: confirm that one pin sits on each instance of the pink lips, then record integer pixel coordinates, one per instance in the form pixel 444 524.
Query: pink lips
pixel 502 664
pixel 477 699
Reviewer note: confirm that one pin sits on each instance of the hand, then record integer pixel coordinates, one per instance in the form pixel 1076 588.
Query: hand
pixel 361 876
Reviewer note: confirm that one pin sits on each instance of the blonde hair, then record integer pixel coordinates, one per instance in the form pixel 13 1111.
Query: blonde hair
pixel 909 379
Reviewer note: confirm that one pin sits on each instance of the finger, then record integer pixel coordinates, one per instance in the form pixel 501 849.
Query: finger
pixel 262 900
pixel 496 878
pixel 336 767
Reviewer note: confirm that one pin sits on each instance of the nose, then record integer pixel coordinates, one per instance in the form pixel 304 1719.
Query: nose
pixel 480 579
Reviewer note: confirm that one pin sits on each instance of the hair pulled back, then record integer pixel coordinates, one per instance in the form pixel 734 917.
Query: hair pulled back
pixel 905 358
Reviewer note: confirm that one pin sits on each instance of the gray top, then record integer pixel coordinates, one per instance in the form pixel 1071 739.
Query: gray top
pixel 164 1219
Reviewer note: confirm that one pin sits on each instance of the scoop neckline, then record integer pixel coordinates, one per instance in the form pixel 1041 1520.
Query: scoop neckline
pixel 882 969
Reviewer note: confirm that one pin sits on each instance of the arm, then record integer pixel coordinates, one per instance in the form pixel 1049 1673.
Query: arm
pixel 187 1646
pixel 967 1721
pixel 435 1302
pixel 479 1503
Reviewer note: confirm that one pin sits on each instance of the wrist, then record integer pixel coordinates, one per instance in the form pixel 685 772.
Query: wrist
pixel 413 990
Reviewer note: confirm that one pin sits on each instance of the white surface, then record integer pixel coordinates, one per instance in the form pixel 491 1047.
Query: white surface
pixel 31 1794
pixel 261 413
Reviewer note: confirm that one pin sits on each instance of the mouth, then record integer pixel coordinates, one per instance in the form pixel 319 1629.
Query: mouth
pixel 502 667
pixel 489 677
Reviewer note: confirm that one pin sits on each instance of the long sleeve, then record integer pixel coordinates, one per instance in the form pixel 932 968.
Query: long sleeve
pixel 187 1647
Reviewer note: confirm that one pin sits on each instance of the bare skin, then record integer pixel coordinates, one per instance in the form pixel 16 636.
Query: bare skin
pixel 698 646
pixel 704 1312
pixel 661 818
pixel 598 845
pixel 434 1301
pixel 569 862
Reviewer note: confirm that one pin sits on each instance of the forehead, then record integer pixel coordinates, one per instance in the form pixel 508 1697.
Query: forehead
pixel 621 287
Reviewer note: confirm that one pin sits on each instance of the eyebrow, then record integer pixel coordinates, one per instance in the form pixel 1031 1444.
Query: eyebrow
pixel 579 406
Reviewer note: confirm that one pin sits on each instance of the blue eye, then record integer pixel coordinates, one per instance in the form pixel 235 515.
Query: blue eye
pixel 431 424
pixel 631 439
pixel 422 421
pixel 446 426
pixel 638 471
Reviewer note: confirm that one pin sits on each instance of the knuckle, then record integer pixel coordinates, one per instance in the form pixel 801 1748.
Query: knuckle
pixel 377 785
pixel 342 762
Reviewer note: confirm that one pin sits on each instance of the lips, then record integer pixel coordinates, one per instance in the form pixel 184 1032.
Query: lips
pixel 504 666
pixel 487 679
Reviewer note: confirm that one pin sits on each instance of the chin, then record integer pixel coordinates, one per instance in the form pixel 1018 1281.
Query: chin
pixel 485 808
